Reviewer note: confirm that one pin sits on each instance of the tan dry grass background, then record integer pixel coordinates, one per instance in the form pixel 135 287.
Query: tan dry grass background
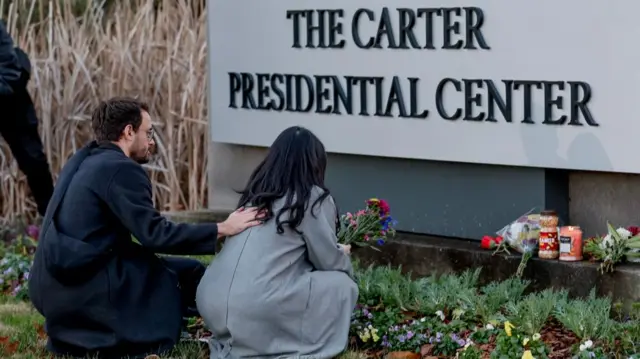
pixel 155 50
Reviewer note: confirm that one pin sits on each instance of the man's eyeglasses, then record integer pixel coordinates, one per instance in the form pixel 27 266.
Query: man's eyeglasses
pixel 150 134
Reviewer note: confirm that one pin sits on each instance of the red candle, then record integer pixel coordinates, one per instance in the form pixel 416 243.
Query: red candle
pixel 570 239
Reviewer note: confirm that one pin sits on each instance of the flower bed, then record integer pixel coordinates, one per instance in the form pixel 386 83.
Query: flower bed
pixel 449 316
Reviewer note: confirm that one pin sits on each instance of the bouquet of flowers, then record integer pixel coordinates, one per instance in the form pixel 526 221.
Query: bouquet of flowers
pixel 618 245
pixel 368 227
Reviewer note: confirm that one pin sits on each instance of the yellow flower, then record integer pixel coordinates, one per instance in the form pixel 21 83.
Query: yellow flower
pixel 525 341
pixel 527 355
pixel 507 328
pixel 375 337
pixel 536 336
pixel 365 335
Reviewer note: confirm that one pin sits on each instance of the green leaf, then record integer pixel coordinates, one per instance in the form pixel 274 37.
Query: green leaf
pixel 612 231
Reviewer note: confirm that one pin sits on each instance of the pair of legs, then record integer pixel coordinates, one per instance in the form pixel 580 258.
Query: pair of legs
pixel 19 128
pixel 189 272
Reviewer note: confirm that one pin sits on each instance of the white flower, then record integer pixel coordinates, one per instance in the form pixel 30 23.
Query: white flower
pixel 587 345
pixel 423 319
pixel 606 242
pixel 440 314
pixel 489 327
pixel 623 233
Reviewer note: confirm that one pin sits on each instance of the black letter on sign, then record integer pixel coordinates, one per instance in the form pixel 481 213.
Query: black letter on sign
pixel 385 28
pixel 527 97
pixel 263 92
pixel 395 96
pixel 322 94
pixel 407 23
pixel 440 103
pixel 413 99
pixel 247 95
pixel 470 100
pixel 356 32
pixel 581 104
pixel 276 81
pixel 335 28
pixel 550 101
pixel 235 84
pixel 494 98
pixel 295 14
pixel 473 29
pixel 450 28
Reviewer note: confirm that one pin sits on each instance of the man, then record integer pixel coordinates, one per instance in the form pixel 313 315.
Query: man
pixel 18 123
pixel 101 293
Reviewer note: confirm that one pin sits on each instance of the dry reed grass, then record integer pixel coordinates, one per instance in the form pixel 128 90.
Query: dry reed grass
pixel 155 50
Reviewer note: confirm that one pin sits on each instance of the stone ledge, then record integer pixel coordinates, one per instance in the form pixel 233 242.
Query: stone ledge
pixel 424 255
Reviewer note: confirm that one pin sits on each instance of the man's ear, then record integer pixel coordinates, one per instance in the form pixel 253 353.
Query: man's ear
pixel 128 131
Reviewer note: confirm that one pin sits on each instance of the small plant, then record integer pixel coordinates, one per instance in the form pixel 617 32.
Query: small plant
pixel 453 295
pixel 587 351
pixel 587 318
pixel 514 343
pixel 448 345
pixel 483 336
pixel 470 351
pixel 16 263
pixel 531 313
pixel 405 337
pixel 495 295
pixel 388 287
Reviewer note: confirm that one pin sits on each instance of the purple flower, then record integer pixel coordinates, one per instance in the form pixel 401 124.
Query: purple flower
pixel 33 231
pixel 380 241
pixel 385 342
pixel 401 338
pixel 369 315
pixel 25 276
pixel 409 334
pixel 461 342
pixel 365 312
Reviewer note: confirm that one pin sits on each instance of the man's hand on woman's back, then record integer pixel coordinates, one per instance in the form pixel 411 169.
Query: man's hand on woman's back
pixel 239 220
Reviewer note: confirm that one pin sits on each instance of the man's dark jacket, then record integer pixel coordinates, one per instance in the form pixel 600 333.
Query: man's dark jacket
pixel 100 292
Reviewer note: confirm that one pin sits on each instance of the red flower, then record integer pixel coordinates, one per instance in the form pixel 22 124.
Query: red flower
pixel 498 239
pixel 384 207
pixel 634 230
pixel 488 242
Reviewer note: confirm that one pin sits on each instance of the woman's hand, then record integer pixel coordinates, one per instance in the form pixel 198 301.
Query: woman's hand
pixel 346 249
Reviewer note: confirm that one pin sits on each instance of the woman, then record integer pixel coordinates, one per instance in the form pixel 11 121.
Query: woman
pixel 284 288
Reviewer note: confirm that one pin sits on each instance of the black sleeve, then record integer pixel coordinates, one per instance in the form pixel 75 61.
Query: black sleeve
pixel 128 195
pixel 9 69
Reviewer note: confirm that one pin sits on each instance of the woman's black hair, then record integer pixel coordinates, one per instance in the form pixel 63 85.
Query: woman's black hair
pixel 295 163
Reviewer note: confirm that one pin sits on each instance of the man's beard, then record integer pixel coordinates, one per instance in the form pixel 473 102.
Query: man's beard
pixel 142 158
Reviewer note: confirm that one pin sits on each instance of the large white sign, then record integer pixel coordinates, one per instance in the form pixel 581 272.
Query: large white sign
pixel 542 83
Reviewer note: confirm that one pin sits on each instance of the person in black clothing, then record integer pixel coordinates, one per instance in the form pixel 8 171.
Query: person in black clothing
pixel 19 123
pixel 102 293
